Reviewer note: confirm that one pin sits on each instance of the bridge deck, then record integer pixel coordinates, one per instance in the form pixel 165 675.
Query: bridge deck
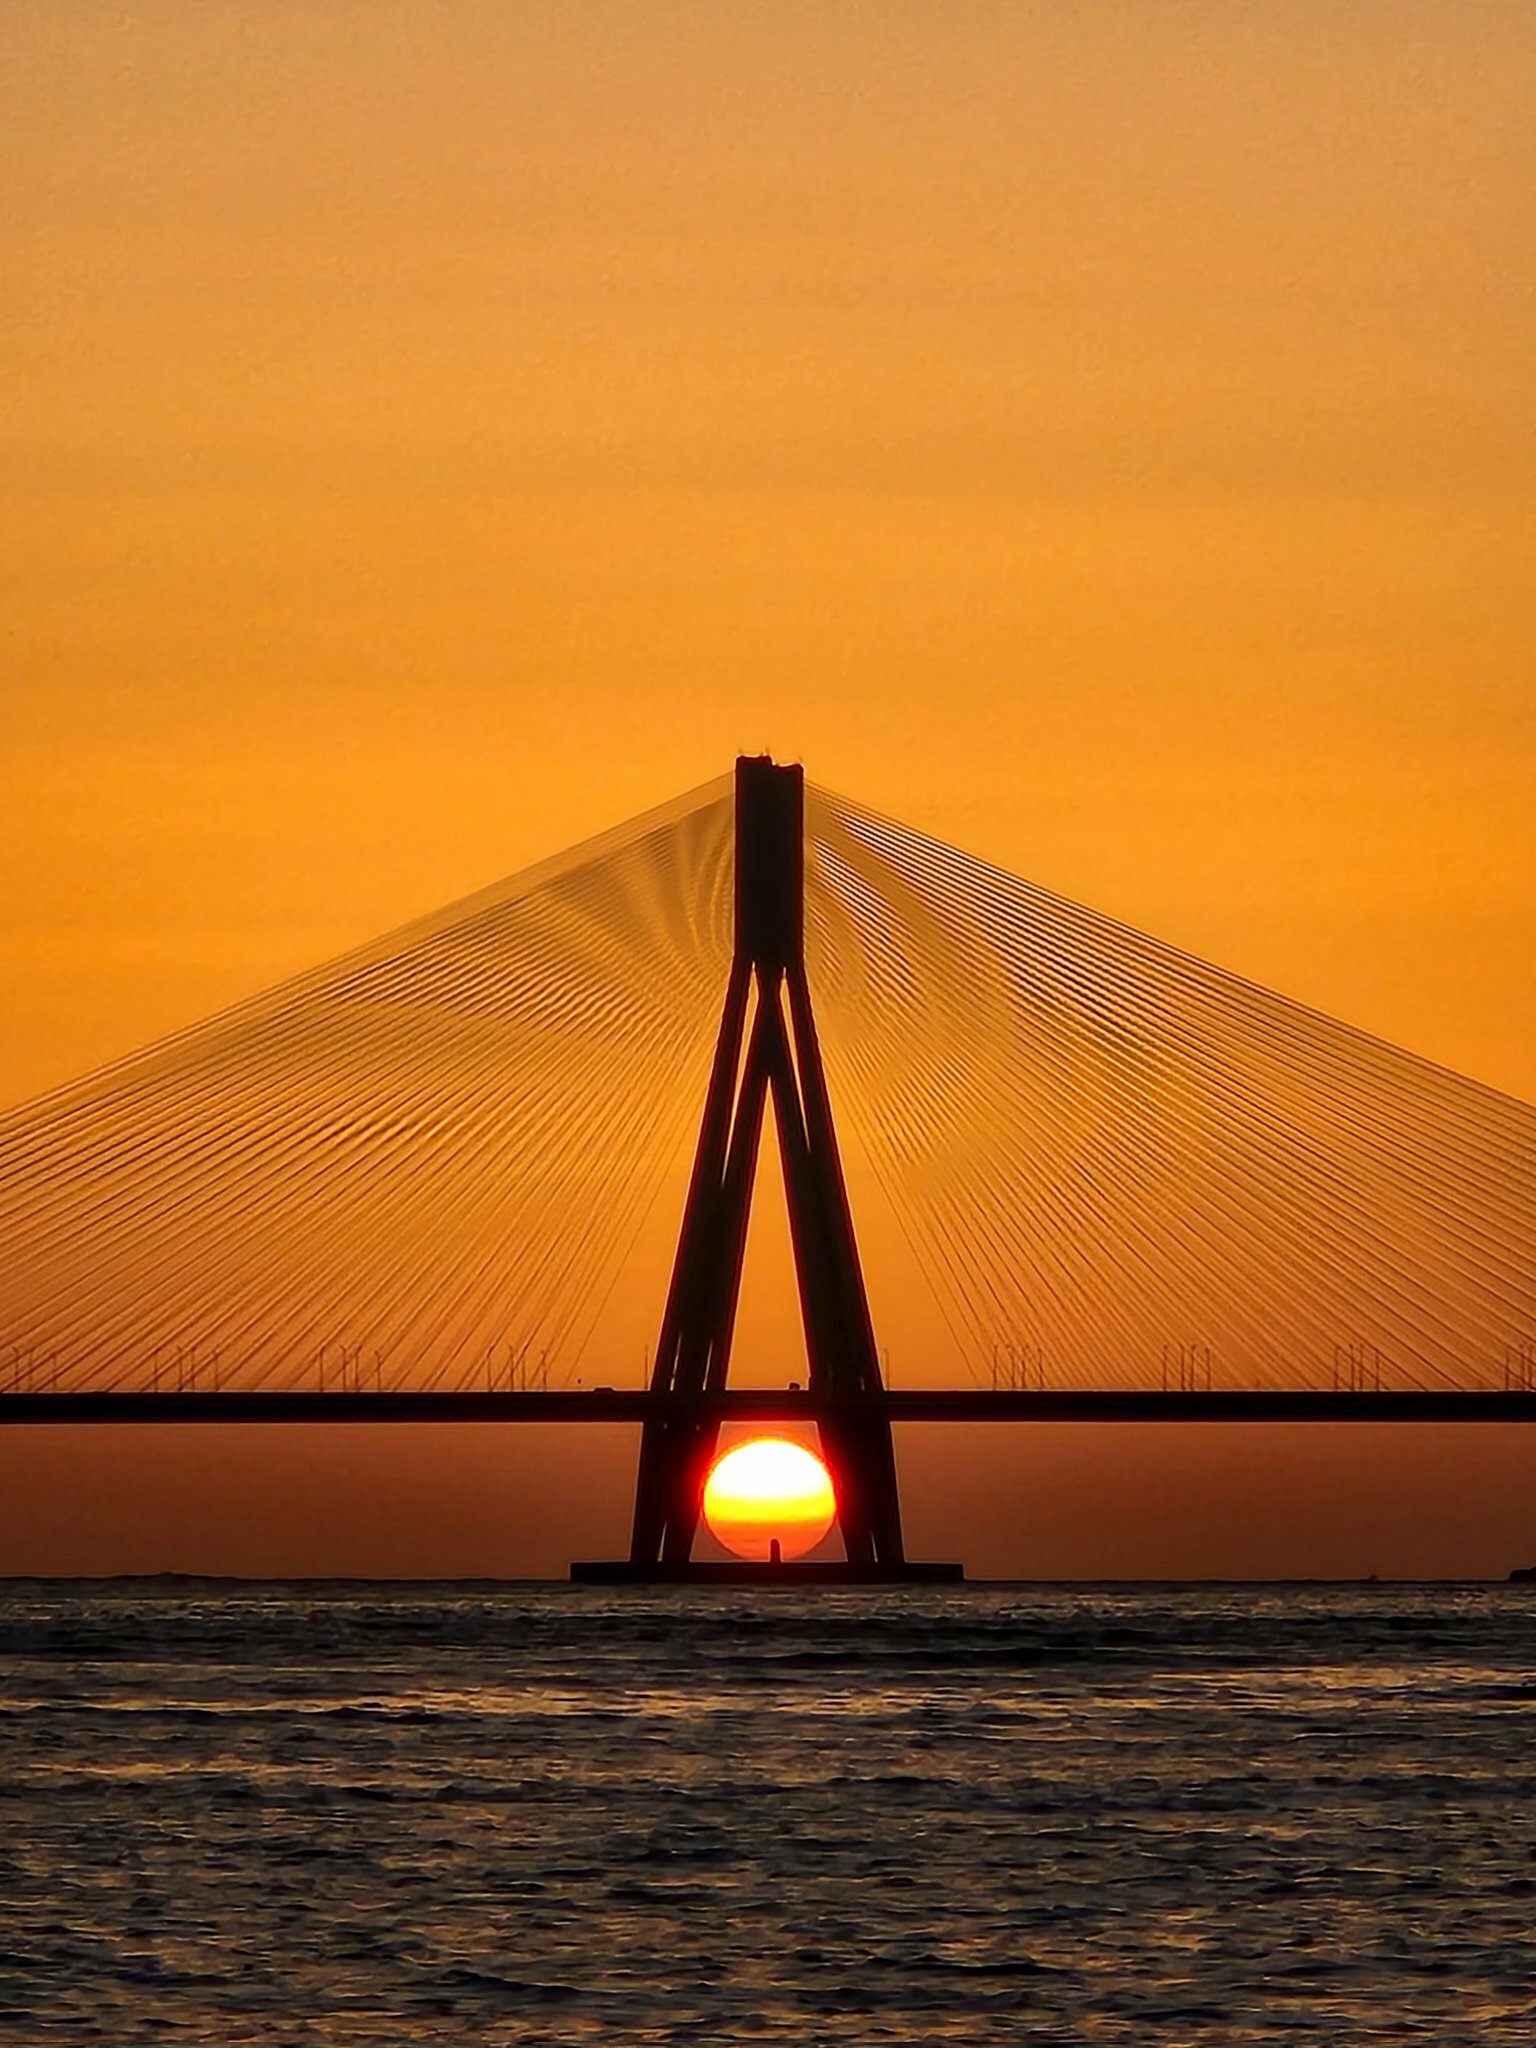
pixel 610 1405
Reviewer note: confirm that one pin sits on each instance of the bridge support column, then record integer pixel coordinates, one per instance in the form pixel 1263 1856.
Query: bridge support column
pixel 767 1048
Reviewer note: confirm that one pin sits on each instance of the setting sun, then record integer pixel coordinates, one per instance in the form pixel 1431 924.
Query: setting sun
pixel 769 1491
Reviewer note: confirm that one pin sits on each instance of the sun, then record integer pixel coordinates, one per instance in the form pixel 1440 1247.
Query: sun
pixel 765 1492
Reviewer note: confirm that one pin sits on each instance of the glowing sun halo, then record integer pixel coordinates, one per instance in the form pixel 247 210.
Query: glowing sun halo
pixel 765 1490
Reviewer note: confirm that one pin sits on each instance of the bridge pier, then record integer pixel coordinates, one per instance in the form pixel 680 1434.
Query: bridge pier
pixel 776 1055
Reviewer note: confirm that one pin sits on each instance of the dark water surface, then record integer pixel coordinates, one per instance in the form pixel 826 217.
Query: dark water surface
pixel 407 1814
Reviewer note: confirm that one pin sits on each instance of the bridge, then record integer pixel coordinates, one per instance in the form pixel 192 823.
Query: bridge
pixel 773 1404
pixel 441 1179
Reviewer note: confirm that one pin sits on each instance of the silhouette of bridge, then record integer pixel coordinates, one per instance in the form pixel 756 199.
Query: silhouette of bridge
pixel 434 1180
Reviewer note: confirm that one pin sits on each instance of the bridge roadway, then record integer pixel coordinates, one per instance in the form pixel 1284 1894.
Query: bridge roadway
pixel 781 1404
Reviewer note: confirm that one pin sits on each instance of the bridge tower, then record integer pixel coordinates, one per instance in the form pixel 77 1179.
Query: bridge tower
pixel 767 1049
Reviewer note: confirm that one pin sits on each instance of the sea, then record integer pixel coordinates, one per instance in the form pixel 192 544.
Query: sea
pixel 398 1814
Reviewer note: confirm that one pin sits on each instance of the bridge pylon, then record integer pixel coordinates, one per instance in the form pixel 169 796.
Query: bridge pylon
pixel 767 1048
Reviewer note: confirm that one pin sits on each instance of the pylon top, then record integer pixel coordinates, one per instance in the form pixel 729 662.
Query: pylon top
pixel 770 863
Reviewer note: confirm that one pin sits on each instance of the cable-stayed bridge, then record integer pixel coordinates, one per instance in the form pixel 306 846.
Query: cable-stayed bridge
pixel 441 1177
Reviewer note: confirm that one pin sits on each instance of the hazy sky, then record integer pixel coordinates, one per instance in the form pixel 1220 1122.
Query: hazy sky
pixel 1102 434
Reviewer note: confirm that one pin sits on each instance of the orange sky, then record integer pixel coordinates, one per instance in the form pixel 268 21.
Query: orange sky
pixel 1103 436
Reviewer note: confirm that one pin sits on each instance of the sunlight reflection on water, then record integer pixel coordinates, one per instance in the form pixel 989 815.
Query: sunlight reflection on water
pixel 400 1815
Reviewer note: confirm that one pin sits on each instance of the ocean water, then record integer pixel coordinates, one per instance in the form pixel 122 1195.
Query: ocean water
pixel 489 1815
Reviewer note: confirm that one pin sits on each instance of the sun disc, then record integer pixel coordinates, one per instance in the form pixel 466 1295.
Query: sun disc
pixel 765 1492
